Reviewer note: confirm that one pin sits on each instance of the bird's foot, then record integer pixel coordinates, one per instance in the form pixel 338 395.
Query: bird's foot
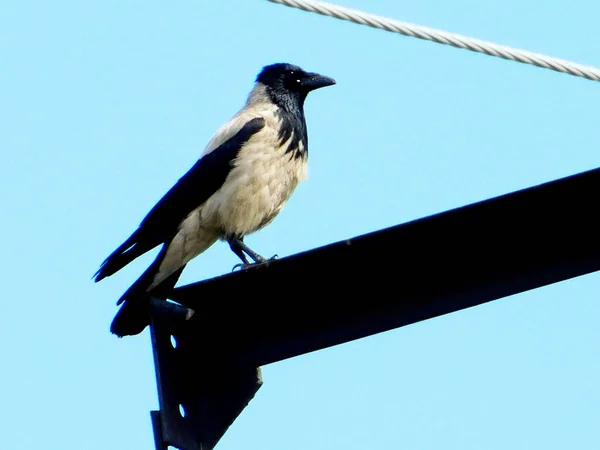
pixel 263 260
pixel 259 262
pixel 242 266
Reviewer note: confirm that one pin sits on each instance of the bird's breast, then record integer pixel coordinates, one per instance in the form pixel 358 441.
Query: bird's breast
pixel 263 178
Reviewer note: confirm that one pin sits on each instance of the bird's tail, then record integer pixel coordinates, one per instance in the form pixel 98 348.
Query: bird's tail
pixel 123 255
pixel 134 315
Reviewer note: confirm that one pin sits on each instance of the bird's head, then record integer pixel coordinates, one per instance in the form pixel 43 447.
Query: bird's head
pixel 288 85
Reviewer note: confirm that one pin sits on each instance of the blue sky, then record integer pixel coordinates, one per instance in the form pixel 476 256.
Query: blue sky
pixel 105 105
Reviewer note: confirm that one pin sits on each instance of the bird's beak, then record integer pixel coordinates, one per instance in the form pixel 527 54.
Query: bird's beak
pixel 316 81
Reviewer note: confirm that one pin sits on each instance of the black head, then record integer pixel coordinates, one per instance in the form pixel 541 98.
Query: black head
pixel 288 85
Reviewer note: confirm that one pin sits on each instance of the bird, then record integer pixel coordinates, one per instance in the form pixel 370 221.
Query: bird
pixel 244 177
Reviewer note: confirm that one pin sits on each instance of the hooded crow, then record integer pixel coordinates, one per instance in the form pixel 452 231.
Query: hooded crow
pixel 244 177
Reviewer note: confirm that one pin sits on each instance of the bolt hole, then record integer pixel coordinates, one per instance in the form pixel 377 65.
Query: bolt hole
pixel 182 410
pixel 173 341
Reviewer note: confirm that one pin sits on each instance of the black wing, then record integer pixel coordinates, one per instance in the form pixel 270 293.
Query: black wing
pixel 190 191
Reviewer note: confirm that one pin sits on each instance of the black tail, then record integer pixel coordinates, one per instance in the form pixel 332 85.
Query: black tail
pixel 127 252
pixel 134 315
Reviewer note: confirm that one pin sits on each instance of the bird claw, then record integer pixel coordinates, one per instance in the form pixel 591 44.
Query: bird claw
pixel 244 266
pixel 264 260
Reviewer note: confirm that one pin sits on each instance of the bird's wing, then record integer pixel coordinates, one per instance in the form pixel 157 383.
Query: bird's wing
pixel 201 181
pixel 191 190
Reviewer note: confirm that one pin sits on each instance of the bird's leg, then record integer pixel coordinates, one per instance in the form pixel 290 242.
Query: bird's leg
pixel 251 253
pixel 239 248
pixel 236 248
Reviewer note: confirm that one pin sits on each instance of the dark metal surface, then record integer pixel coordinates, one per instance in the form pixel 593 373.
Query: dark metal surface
pixel 159 442
pixel 209 396
pixel 355 288
pixel 397 276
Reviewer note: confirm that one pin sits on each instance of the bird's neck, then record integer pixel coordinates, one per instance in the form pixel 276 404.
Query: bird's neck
pixel 291 103
pixel 289 110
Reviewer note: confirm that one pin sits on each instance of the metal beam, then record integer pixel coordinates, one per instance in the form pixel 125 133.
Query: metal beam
pixel 198 402
pixel 400 275
pixel 356 288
